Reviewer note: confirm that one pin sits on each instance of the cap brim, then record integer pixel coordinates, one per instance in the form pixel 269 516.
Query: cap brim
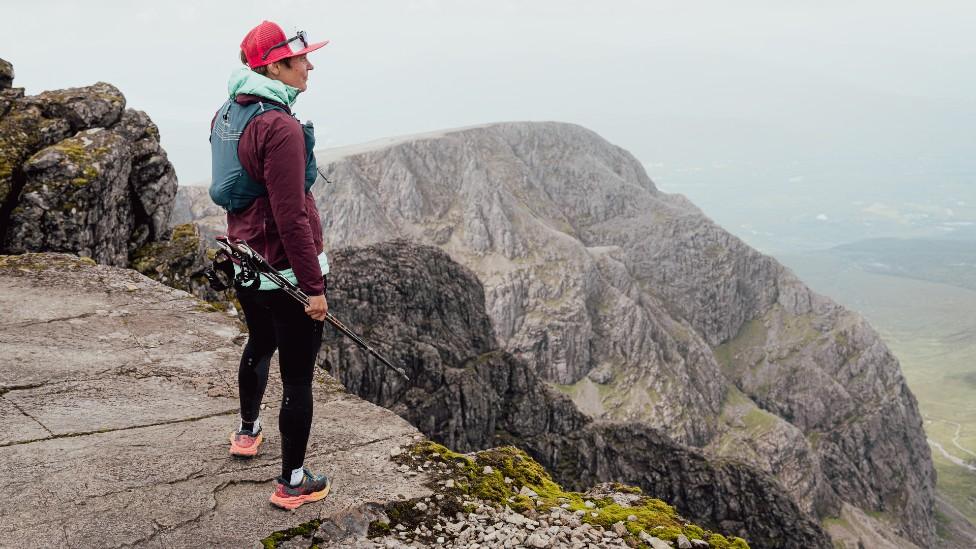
pixel 311 47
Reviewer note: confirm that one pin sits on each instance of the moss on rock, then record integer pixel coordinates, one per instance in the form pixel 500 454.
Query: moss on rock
pixel 507 476
pixel 306 530
pixel 35 262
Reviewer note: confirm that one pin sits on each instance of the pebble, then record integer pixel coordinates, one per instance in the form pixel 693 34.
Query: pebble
pixel 655 543
pixel 488 470
pixel 421 506
pixel 683 542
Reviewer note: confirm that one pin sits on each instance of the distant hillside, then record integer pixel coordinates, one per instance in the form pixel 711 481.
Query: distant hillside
pixel 946 261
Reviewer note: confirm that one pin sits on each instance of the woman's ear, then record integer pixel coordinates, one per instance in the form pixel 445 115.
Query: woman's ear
pixel 274 69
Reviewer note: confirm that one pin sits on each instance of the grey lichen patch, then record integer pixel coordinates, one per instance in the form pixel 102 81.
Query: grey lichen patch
pixel 98 105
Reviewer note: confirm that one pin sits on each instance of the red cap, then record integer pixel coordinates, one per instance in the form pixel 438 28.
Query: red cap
pixel 259 41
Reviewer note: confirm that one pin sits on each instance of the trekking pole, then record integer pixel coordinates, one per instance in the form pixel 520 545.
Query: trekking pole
pixel 253 266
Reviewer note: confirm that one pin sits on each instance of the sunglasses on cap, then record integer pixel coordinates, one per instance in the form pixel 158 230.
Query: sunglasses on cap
pixel 301 37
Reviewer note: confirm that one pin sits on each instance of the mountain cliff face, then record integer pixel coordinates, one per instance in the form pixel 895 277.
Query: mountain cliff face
pixel 426 312
pixel 80 173
pixel 640 308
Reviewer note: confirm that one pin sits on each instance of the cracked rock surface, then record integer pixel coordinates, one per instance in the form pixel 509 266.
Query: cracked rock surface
pixel 117 399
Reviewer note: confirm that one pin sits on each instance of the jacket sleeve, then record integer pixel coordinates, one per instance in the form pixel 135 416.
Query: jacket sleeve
pixel 284 176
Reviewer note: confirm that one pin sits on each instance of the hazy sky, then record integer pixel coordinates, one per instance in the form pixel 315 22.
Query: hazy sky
pixel 745 90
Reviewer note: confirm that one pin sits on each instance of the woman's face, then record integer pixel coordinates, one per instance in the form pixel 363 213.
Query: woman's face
pixel 296 75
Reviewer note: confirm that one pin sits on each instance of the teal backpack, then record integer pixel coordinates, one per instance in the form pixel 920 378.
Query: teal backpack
pixel 231 187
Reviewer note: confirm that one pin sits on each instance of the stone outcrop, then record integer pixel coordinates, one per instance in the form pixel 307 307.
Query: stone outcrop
pixel 117 398
pixel 179 260
pixel 81 173
pixel 641 309
pixel 6 74
pixel 426 312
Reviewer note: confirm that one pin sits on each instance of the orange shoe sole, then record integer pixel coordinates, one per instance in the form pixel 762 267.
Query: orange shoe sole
pixel 298 501
pixel 251 451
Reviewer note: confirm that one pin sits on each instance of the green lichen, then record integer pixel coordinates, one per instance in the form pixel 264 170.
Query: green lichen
pixel 378 528
pixel 170 259
pixel 36 262
pixel 209 307
pixel 718 541
pixel 184 231
pixel 626 489
pixel 305 530
pixel 20 136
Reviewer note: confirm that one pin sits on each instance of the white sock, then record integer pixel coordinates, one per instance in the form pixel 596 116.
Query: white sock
pixel 255 429
pixel 297 475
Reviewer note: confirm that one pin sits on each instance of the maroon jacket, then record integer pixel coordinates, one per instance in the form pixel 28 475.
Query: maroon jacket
pixel 283 226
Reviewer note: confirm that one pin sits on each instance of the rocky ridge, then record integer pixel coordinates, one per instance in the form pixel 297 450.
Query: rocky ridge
pixel 641 309
pixel 80 173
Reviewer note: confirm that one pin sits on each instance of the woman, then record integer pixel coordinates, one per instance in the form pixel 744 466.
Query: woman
pixel 263 169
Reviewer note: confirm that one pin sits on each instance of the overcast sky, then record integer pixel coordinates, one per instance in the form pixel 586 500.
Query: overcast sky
pixel 748 87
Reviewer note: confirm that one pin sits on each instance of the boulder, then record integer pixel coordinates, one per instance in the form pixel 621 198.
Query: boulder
pixel 76 199
pixel 6 74
pixel 80 173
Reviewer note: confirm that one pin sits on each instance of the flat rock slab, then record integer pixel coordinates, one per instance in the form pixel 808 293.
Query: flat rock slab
pixel 117 400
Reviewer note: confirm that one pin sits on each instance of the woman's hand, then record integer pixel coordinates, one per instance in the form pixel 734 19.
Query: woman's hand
pixel 317 307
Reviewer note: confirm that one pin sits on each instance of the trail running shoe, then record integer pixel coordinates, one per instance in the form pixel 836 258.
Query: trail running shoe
pixel 245 443
pixel 313 488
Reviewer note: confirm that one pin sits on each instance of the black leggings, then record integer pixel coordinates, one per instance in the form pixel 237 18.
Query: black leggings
pixel 277 321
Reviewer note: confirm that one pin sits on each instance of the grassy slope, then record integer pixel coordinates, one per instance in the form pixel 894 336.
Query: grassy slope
pixel 931 328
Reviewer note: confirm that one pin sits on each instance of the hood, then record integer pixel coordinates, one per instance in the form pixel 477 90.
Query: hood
pixel 244 80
